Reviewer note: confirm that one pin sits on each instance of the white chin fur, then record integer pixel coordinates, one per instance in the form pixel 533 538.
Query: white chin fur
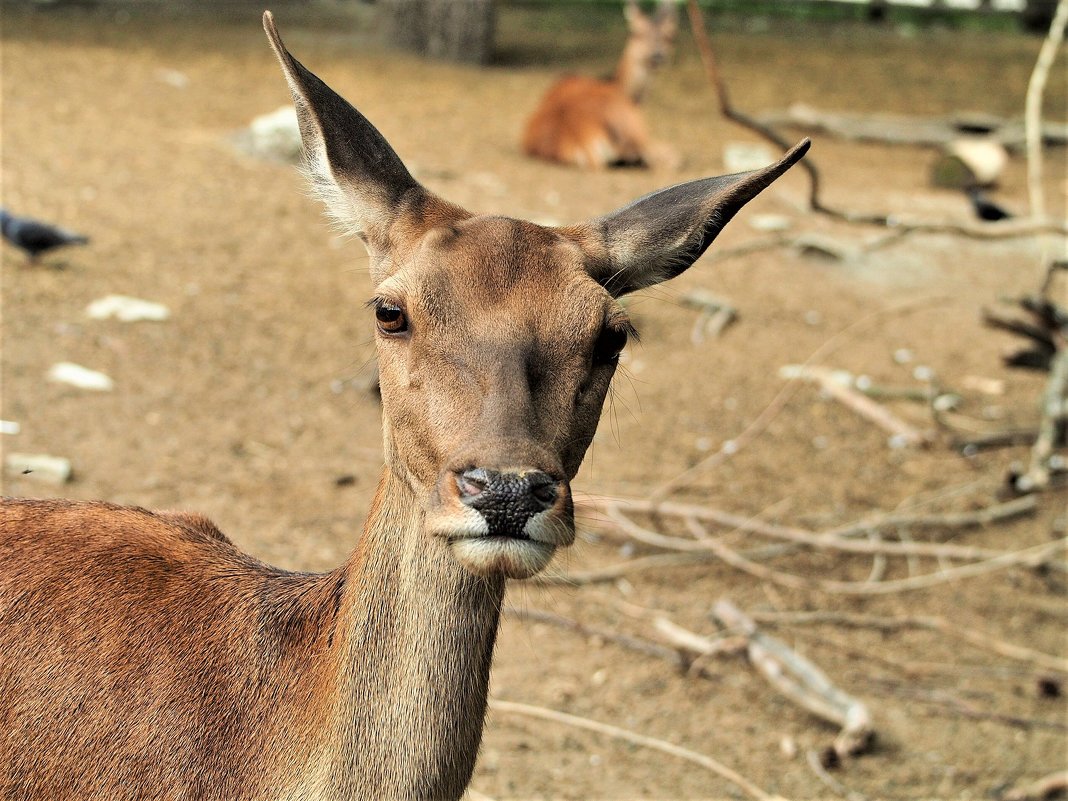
pixel 487 556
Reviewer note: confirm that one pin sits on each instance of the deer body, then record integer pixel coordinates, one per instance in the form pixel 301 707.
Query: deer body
pixel 596 123
pixel 143 656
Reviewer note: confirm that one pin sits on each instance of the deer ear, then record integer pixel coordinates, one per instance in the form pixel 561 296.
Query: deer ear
pixel 352 168
pixel 660 235
pixel 667 16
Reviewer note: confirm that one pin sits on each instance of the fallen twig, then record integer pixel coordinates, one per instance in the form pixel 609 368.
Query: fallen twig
pixel 677 657
pixel 802 682
pixel 613 572
pixel 840 538
pixel 899 129
pixel 1027 556
pixel 947 700
pixel 972 636
pixel 859 403
pixel 642 740
pixel 1054 412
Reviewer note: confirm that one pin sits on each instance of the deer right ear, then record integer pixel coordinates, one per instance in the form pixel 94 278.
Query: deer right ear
pixel 353 170
pixel 660 235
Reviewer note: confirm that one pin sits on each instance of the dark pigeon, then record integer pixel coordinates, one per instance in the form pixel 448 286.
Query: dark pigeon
pixel 985 208
pixel 35 237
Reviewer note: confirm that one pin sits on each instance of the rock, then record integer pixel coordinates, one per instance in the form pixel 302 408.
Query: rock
pixel 770 222
pixel 41 467
pixel 969 162
pixel 126 309
pixel 745 156
pixel 9 427
pixel 275 135
pixel 81 377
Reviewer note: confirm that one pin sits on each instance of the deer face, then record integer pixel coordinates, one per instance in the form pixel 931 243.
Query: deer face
pixel 651 38
pixel 496 349
pixel 497 338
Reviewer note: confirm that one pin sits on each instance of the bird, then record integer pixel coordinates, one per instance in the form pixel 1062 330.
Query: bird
pixel 985 208
pixel 36 237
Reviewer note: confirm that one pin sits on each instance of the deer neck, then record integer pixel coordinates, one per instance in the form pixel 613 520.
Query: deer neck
pixel 418 647
pixel 631 75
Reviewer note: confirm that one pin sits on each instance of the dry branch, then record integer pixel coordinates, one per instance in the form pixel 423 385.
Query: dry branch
pixel 1036 87
pixel 676 657
pixel 1054 412
pixel 898 129
pixel 860 403
pixel 802 682
pixel 613 572
pixel 972 636
pixel 958 706
pixel 642 740
pixel 840 538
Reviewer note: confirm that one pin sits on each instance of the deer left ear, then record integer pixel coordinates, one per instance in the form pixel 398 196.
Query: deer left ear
pixel 660 235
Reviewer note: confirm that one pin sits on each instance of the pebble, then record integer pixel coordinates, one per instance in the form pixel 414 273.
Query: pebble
pixel 41 467
pixel 81 377
pixel 127 309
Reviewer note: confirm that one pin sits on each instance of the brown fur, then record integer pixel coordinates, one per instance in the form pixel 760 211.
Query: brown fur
pixel 142 656
pixel 596 123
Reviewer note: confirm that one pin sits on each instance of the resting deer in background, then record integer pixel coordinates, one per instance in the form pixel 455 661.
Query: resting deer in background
pixel 596 123
pixel 143 656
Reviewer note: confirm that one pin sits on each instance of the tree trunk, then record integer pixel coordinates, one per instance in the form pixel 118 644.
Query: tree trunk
pixel 451 30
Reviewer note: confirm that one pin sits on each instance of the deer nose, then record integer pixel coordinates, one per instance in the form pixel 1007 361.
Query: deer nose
pixel 507 499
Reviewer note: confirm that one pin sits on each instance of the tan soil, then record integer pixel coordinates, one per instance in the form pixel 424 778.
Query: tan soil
pixel 242 406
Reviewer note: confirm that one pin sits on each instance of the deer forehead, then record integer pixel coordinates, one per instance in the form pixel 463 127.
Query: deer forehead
pixel 496 274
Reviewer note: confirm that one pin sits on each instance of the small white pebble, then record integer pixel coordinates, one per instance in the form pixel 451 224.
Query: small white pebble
pixel 946 402
pixel 902 355
pixel 9 427
pixel 788 747
pixel 81 377
pixel 898 441
pixel 729 447
pixel 595 760
pixel 864 383
pixel 599 678
pixel 922 372
pixel 703 443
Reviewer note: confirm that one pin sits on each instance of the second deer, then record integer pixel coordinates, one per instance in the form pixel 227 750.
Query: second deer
pixel 144 657
pixel 596 123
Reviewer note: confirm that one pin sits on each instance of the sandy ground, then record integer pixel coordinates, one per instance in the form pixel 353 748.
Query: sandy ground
pixel 247 404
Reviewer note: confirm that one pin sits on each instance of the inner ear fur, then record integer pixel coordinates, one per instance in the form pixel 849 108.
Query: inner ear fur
pixel 659 236
pixel 361 180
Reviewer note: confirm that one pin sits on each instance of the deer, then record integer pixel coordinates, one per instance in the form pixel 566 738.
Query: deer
pixel 597 123
pixel 144 656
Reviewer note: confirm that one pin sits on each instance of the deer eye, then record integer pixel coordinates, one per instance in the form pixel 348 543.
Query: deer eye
pixel 609 345
pixel 391 319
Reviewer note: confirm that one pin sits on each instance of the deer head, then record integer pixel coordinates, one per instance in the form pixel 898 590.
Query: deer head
pixel 651 37
pixel 497 338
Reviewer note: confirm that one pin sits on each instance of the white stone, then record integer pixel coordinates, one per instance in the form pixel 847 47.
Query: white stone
pixel 81 377
pixel 276 134
pixel 126 309
pixel 41 467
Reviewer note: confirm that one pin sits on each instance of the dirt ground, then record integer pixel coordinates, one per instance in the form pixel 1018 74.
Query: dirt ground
pixel 247 404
